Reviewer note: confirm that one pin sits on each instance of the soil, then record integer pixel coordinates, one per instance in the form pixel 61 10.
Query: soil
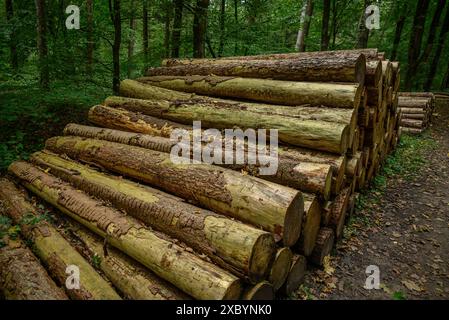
pixel 407 237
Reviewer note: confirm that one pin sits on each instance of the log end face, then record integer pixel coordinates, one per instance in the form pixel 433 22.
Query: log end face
pixel 293 220
pixel 280 268
pixel 234 290
pixel 261 291
pixel 296 276
pixel 262 257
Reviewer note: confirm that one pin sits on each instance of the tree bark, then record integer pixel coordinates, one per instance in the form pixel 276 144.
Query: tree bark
pixel 168 12
pixel 130 277
pixel 230 244
pixel 44 73
pixel 296 275
pixel 412 123
pixel 310 225
pixel 222 27
pixel 145 30
pixel 90 37
pixel 338 214
pixel 325 25
pixel 323 247
pixel 116 20
pixel 325 68
pixel 373 73
pixel 14 60
pixel 200 28
pixel 264 90
pixel 305 18
pixel 52 249
pixel 22 277
pixel 177 28
pixel 194 276
pixel 362 40
pixel 275 208
pixel 132 40
pixel 280 268
pixel 398 33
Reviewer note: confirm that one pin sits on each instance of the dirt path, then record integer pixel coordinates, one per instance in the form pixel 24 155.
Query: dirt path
pixel 405 233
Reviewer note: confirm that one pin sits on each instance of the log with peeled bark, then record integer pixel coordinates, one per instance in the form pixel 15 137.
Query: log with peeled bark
pixel 54 251
pixel 130 277
pixel 242 249
pixel 338 214
pixel 280 268
pixel 184 269
pixel 370 54
pixel 339 95
pixel 260 291
pixel 22 277
pixel 412 123
pixel 275 208
pixel 323 247
pixel 310 226
pixel 305 176
pixel 296 275
pixel 332 68
pixel 373 73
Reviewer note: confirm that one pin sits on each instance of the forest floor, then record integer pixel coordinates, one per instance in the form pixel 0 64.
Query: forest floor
pixel 401 225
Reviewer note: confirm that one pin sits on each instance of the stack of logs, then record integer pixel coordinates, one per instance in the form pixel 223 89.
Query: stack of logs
pixel 160 230
pixel 416 110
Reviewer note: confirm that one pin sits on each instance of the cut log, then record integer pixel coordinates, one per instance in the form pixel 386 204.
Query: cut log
pixel 373 73
pixel 416 116
pixel 280 268
pixel 53 250
pixel 22 277
pixel 194 276
pixel 333 68
pixel 232 245
pixel 412 123
pixel 273 207
pixel 411 130
pixel 339 209
pixel 323 247
pixel 326 212
pixel 264 90
pixel 310 225
pixel 261 291
pixel 130 277
pixel 405 110
pixel 296 275
pixel 305 176
pixel 353 166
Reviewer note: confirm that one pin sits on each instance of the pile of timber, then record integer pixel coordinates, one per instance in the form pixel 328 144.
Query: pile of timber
pixel 416 111
pixel 153 229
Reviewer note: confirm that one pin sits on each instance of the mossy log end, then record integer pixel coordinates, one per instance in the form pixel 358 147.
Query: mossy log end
pixel 273 207
pixel 193 275
pixel 53 250
pixel 238 247
pixel 280 268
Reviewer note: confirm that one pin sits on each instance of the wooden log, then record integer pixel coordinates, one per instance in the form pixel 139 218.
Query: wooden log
pixel 323 247
pixel 305 176
pixel 203 230
pixel 273 207
pixel 339 95
pixel 326 212
pixel 339 207
pixel 333 68
pixel 130 277
pixel 405 110
pixel 54 251
pixel 411 130
pixel 22 277
pixel 412 123
pixel 387 73
pixel 261 291
pixel 373 73
pixel 353 166
pixel 413 103
pixel 310 225
pixel 280 268
pixel 296 275
pixel 416 116
pixel 196 277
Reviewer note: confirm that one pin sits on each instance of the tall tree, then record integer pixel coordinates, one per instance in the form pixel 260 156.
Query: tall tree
pixel 177 28
pixel 132 39
pixel 222 27
pixel 42 44
pixel 167 24
pixel 145 33
pixel 236 22
pixel 400 22
pixel 445 83
pixel 362 39
pixel 90 36
pixel 200 28
pixel 416 36
pixel 14 60
pixel 305 18
pixel 325 25
pixel 114 9
pixel 439 48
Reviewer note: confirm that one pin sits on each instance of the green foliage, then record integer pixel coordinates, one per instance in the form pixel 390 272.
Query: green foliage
pixel 399 295
pixel 96 261
pixel 7 230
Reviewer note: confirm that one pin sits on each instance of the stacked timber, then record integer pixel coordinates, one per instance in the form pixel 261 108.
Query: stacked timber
pixel 416 111
pixel 222 230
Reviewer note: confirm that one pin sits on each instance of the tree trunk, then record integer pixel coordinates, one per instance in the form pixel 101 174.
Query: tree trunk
pixel 261 291
pixel 12 37
pixel 236 21
pixel 275 208
pixel 280 268
pixel 323 247
pixel 415 41
pixel 116 20
pixel 209 233
pixel 53 250
pixel 397 35
pixel 325 68
pixel 90 37
pixel 362 40
pixel 296 275
pixel 145 30
pixel 305 18
pixel 325 25
pixel 177 28
pixel 132 40
pixel 191 274
pixel 222 27
pixel 200 28
pixel 310 225
pixel 445 82
pixel 44 73
pixel 130 277
pixel 168 12
pixel 264 90
pixel 22 277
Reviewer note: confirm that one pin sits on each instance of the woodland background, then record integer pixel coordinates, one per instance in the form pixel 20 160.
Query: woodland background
pixel 50 76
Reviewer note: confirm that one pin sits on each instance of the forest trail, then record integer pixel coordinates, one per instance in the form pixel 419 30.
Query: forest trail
pixel 405 234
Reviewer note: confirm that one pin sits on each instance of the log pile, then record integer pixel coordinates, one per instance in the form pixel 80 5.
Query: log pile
pixel 223 230
pixel 416 111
